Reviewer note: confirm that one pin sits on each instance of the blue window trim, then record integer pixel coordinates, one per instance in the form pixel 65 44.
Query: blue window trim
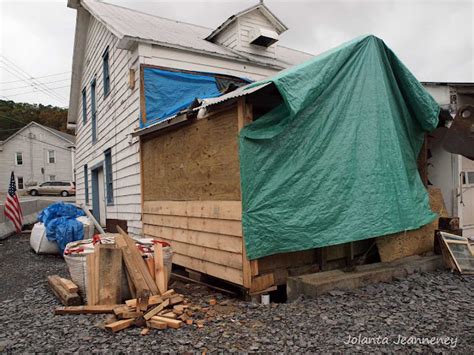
pixel 86 184
pixel 106 71
pixel 84 106
pixel 109 177
pixel 93 112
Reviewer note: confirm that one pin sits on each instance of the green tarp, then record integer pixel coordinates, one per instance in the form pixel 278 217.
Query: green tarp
pixel 336 162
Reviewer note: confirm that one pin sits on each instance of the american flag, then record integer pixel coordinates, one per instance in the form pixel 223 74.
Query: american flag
pixel 12 206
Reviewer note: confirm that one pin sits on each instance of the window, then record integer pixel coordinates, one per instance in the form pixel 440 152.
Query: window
pixel 93 113
pixel 84 106
pixel 20 183
pixel 86 184
pixel 51 157
pixel 106 73
pixel 52 177
pixel 470 177
pixel 109 177
pixel 18 158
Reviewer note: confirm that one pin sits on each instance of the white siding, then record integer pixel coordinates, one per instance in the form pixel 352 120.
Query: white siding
pixel 246 24
pixel 34 143
pixel 117 116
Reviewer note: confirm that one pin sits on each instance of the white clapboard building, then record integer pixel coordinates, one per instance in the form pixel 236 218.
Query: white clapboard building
pixel 112 47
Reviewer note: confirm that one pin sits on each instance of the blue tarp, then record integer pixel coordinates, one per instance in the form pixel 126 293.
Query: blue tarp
pixel 169 92
pixel 61 224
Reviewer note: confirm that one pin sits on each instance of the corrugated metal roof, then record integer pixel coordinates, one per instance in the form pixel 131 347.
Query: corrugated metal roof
pixel 134 25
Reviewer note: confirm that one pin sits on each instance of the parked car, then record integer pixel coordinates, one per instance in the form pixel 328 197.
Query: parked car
pixel 62 188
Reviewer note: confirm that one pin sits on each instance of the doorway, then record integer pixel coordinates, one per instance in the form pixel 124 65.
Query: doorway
pixel 98 195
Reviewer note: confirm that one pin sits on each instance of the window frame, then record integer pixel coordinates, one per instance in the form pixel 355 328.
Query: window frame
pixel 86 184
pixel 16 158
pixel 18 182
pixel 109 179
pixel 49 156
pixel 93 111
pixel 52 178
pixel 84 106
pixel 106 72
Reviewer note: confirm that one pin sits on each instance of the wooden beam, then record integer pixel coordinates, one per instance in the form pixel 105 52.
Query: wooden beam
pixel 70 286
pixel 86 309
pixel 109 272
pixel 63 295
pixel 119 325
pixel 171 323
pixel 160 274
pixel 92 286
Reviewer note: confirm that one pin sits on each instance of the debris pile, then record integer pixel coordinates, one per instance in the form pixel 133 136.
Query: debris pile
pixel 117 270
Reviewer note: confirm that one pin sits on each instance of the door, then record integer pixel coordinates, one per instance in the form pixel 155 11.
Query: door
pixel 466 202
pixel 98 195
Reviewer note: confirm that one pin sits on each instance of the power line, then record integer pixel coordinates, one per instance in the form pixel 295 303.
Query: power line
pixel 13 119
pixel 26 77
pixel 37 77
pixel 36 90
pixel 27 86
pixel 10 129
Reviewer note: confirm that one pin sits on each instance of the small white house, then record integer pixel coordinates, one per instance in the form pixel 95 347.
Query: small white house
pixel 452 173
pixel 112 49
pixel 35 154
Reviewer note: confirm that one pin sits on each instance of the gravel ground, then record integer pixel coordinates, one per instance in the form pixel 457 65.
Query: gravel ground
pixel 424 307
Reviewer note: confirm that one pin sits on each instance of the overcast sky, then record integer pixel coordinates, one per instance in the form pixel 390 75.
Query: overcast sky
pixel 433 38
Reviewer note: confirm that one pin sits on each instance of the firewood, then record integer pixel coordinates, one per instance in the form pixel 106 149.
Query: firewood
pixel 145 331
pixel 171 323
pixel 63 295
pixel 156 324
pixel 175 300
pixel 119 325
pixel 70 286
pixel 157 309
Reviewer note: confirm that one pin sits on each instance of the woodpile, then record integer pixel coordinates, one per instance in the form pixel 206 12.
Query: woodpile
pixel 152 305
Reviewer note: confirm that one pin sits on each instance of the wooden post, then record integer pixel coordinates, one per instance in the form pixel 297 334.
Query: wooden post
pixel 109 272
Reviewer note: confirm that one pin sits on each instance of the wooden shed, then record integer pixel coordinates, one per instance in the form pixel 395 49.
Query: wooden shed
pixel 192 199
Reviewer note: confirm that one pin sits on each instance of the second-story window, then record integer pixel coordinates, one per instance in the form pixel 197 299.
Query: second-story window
pixel 51 157
pixel 106 72
pixel 93 113
pixel 19 158
pixel 84 106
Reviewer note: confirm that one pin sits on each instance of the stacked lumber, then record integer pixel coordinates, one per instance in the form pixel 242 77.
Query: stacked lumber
pixel 65 290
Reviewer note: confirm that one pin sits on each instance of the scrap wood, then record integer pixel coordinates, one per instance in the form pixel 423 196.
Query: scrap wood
pixel 152 301
pixel 176 299
pixel 145 331
pixel 157 309
pixel 63 295
pixel 86 309
pixel 119 325
pixel 156 324
pixel 169 314
pixel 92 286
pixel 142 300
pixel 108 263
pixel 171 323
pixel 70 286
pixel 160 275
pixel 138 271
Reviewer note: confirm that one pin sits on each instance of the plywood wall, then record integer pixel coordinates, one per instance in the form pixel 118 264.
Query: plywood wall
pixel 195 162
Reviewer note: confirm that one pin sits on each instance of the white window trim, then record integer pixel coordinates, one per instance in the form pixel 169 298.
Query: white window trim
pixel 18 182
pixel 54 156
pixel 16 158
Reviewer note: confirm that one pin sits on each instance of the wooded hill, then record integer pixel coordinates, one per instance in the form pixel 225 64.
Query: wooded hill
pixel 15 115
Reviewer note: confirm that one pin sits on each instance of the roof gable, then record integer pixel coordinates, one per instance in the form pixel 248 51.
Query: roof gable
pixel 64 136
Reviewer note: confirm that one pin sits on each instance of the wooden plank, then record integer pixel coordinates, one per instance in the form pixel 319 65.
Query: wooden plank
pixel 220 257
pixel 92 289
pixel 70 286
pixel 150 264
pixel 156 324
pixel 160 276
pixel 109 273
pixel 199 161
pixel 227 227
pixel 119 325
pixel 223 242
pixel 156 309
pixel 262 282
pixel 246 268
pixel 220 271
pixel 135 264
pixel 203 209
pixel 171 323
pixel 86 309
pixel 63 295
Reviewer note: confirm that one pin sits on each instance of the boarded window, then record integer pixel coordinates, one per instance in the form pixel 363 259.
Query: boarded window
pixel 86 184
pixel 106 72
pixel 109 177
pixel 19 158
pixel 84 106
pixel 93 113
pixel 51 157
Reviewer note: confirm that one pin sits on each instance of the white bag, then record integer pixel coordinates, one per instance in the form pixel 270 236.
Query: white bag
pixel 39 242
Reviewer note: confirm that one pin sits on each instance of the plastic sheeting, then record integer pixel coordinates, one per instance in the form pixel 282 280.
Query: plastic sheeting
pixel 61 224
pixel 169 92
pixel 337 161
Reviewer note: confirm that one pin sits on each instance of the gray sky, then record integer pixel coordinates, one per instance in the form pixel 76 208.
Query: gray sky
pixel 433 38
